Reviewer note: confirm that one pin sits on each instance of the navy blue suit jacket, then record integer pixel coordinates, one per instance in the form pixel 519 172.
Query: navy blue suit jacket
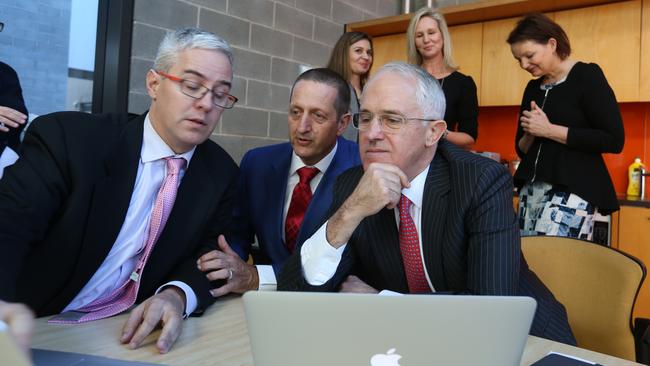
pixel 260 205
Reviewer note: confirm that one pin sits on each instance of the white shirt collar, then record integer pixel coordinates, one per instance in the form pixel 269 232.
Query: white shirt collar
pixel 322 165
pixel 416 190
pixel 154 148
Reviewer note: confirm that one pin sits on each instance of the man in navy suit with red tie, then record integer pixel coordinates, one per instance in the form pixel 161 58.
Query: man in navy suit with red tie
pixel 101 212
pixel 285 190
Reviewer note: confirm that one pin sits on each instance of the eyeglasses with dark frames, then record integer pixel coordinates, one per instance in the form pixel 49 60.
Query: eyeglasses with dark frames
pixel 388 122
pixel 197 90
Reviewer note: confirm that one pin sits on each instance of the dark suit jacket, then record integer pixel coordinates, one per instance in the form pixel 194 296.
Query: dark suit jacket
pixel 262 192
pixel 63 204
pixel 470 239
pixel 11 95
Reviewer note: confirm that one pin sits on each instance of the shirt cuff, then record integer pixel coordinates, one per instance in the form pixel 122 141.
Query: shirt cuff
pixel 320 259
pixel 267 278
pixel 190 297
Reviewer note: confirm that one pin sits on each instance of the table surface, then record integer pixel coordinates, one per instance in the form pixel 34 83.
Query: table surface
pixel 219 337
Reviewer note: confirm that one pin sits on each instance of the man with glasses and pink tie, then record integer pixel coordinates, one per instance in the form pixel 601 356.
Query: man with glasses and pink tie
pixel 420 215
pixel 102 212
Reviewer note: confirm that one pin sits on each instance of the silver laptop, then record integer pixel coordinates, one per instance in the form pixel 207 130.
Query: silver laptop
pixel 298 328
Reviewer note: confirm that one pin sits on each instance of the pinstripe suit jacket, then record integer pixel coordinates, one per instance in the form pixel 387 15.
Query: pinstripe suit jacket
pixel 470 240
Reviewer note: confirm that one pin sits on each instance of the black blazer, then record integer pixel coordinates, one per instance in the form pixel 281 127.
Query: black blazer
pixel 470 240
pixel 11 95
pixel 63 204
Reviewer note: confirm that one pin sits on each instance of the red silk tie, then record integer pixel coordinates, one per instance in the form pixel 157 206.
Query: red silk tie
pixel 124 297
pixel 410 246
pixel 299 202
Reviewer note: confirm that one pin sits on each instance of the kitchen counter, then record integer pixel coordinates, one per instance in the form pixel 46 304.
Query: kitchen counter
pixel 634 201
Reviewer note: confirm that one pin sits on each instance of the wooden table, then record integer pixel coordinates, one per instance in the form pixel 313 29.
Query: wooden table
pixel 219 337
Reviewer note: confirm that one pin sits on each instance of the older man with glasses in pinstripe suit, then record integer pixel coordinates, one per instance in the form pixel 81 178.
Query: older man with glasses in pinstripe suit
pixel 421 215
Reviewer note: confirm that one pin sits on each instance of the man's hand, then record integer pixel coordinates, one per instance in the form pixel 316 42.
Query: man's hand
pixel 10 118
pixel 21 323
pixel 354 285
pixel 226 264
pixel 379 188
pixel 166 307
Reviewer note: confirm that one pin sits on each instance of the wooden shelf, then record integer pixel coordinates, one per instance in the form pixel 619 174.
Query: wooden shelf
pixel 472 13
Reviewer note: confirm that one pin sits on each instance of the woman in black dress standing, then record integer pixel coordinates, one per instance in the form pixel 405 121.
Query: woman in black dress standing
pixel 429 46
pixel 568 118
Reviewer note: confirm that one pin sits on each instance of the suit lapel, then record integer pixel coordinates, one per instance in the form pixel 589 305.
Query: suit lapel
pixel 276 189
pixel 193 200
pixel 434 213
pixel 384 245
pixel 110 202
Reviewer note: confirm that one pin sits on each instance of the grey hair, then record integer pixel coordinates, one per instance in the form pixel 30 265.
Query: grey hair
pixel 414 56
pixel 428 93
pixel 188 38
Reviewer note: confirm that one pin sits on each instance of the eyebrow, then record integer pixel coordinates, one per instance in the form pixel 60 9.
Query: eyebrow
pixel 199 74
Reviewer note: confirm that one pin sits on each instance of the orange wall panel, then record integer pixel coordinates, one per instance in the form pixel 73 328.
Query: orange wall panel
pixel 498 125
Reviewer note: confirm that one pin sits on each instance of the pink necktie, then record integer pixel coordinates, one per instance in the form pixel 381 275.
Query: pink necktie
pixel 410 246
pixel 298 206
pixel 124 297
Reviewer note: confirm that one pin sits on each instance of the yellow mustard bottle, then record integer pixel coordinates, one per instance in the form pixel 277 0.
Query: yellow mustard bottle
pixel 634 172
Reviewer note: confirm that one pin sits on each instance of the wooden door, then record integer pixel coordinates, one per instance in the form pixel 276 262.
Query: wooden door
pixel 608 35
pixel 388 48
pixel 467 42
pixel 644 80
pixel 502 80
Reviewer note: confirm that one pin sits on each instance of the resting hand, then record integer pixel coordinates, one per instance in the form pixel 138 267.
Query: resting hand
pixel 535 122
pixel 10 118
pixel 353 284
pixel 380 187
pixel 165 307
pixel 226 264
pixel 20 320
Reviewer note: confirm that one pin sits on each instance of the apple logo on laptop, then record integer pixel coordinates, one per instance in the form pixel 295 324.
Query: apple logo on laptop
pixel 389 359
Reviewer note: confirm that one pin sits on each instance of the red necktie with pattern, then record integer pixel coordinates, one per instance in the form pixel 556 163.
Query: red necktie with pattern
pixel 410 246
pixel 124 297
pixel 299 202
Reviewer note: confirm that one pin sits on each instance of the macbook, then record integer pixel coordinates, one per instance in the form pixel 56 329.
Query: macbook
pixel 298 328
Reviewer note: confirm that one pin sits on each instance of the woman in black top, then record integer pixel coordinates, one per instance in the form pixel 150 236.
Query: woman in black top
pixel 568 117
pixel 429 46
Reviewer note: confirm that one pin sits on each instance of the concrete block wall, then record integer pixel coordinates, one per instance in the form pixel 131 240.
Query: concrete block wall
pixel 271 39
pixel 35 43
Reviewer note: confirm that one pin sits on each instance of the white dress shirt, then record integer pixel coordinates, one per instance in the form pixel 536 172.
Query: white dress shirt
pixel 268 282
pixel 126 251
pixel 320 259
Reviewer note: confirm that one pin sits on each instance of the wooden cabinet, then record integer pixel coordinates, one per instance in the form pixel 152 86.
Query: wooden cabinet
pixel 388 48
pixel 502 80
pixel 644 80
pixel 608 35
pixel 633 238
pixel 467 43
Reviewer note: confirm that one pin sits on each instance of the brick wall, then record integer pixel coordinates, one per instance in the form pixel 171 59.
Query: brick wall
pixel 271 39
pixel 35 43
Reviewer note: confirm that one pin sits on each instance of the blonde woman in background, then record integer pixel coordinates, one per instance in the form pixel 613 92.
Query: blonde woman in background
pixel 352 59
pixel 429 46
